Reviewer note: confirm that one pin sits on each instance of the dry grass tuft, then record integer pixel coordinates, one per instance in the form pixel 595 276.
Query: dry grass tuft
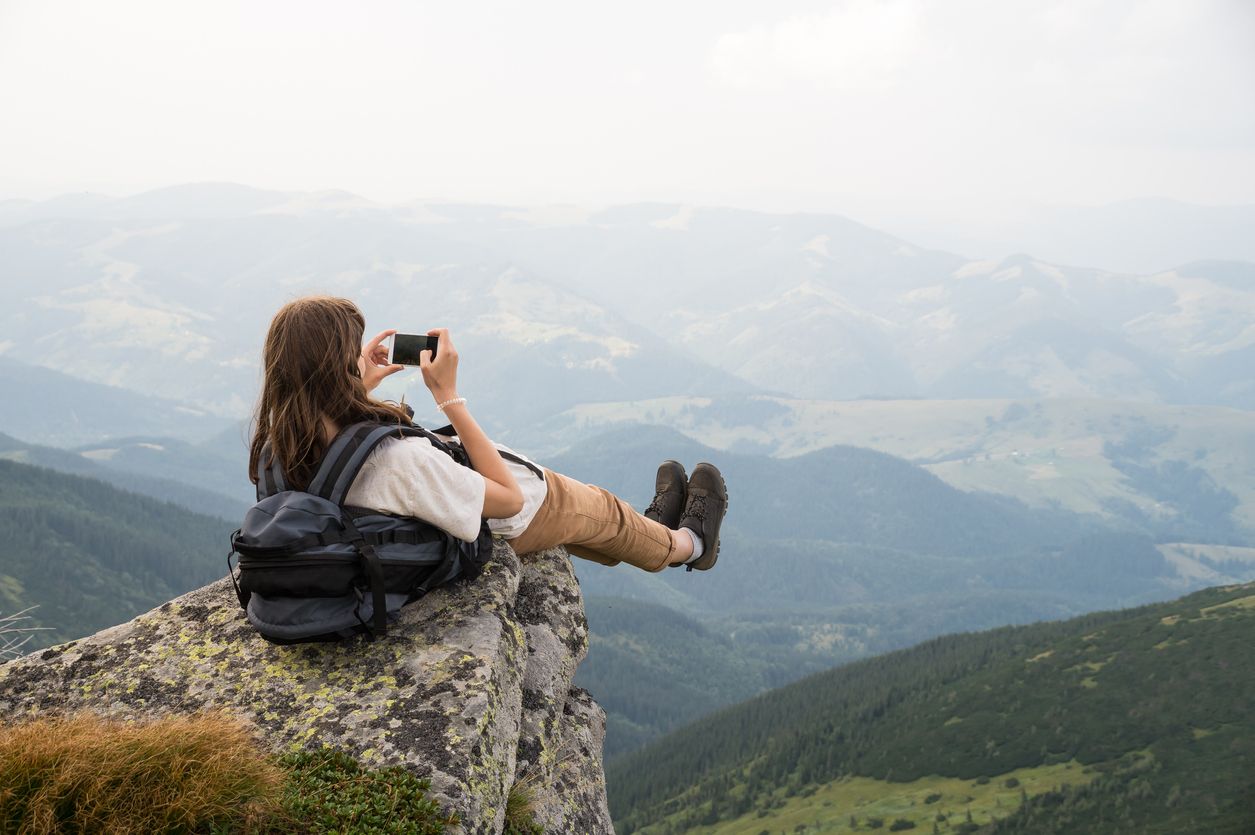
pixel 520 806
pixel 87 774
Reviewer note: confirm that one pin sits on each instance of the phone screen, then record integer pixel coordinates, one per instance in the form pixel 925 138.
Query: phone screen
pixel 406 347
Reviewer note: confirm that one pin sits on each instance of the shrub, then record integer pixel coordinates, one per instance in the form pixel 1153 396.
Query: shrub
pixel 329 791
pixel 932 798
pixel 1011 783
pixel 901 824
pixel 88 774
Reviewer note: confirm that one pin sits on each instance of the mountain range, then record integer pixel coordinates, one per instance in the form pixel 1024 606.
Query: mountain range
pixel 169 293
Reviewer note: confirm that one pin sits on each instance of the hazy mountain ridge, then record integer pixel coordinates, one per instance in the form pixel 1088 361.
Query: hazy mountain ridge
pixel 1140 235
pixel 1151 466
pixel 155 479
pixel 635 301
pixel 195 293
pixel 845 497
pixel 53 406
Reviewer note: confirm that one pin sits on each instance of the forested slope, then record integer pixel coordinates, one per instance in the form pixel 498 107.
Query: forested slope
pixel 1155 701
pixel 91 555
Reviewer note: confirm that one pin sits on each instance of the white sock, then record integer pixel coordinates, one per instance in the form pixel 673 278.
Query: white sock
pixel 698 547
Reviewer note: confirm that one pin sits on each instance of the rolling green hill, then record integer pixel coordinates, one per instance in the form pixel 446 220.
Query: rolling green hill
pixel 1127 721
pixel 90 555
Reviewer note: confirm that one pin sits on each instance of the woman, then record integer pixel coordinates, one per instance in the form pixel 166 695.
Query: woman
pixel 318 379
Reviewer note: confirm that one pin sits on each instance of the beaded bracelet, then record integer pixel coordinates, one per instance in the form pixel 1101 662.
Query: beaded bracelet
pixel 455 401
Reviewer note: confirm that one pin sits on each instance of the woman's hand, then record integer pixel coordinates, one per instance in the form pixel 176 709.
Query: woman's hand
pixel 441 374
pixel 374 361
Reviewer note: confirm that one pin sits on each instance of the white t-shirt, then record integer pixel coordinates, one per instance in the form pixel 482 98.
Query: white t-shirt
pixel 410 477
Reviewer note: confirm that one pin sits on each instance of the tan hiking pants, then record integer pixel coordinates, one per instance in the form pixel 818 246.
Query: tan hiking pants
pixel 594 524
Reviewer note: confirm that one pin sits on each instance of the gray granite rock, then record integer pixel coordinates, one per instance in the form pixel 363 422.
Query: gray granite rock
pixel 574 798
pixel 551 612
pixel 461 687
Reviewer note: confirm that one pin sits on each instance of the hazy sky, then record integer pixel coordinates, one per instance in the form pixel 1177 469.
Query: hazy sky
pixel 777 105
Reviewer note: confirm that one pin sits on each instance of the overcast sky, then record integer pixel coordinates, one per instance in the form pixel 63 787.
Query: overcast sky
pixel 777 105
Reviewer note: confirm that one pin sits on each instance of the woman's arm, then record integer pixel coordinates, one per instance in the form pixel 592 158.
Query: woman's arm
pixel 502 496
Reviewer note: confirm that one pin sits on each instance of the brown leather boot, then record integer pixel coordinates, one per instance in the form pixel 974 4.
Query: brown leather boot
pixel 703 512
pixel 671 488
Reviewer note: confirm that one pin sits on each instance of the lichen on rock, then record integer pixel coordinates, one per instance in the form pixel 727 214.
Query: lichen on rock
pixel 471 688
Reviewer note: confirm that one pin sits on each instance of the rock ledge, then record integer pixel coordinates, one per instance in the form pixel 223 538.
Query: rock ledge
pixel 471 689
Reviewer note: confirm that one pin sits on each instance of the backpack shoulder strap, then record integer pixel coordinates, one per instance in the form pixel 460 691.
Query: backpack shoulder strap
pixel 453 449
pixel 347 453
pixel 269 475
pixel 344 458
pixel 509 456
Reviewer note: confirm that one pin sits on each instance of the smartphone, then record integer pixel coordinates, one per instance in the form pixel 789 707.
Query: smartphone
pixel 405 347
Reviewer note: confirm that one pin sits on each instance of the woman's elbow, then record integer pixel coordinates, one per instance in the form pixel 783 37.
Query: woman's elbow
pixel 515 505
pixel 501 502
pixel 504 509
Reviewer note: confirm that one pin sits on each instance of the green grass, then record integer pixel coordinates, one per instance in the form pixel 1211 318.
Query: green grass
pixel 329 791
pixel 832 806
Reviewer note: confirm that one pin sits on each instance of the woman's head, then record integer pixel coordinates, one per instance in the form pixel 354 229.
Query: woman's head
pixel 311 369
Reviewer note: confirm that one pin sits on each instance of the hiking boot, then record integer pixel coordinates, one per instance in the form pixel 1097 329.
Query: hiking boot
pixel 671 488
pixel 703 512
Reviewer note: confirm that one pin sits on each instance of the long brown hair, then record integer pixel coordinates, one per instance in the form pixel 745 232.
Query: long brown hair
pixel 311 370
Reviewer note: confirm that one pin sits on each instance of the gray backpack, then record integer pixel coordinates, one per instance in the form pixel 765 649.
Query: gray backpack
pixel 311 569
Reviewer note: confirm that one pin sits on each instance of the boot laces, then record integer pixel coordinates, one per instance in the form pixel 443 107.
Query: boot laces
pixel 696 508
pixel 660 498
